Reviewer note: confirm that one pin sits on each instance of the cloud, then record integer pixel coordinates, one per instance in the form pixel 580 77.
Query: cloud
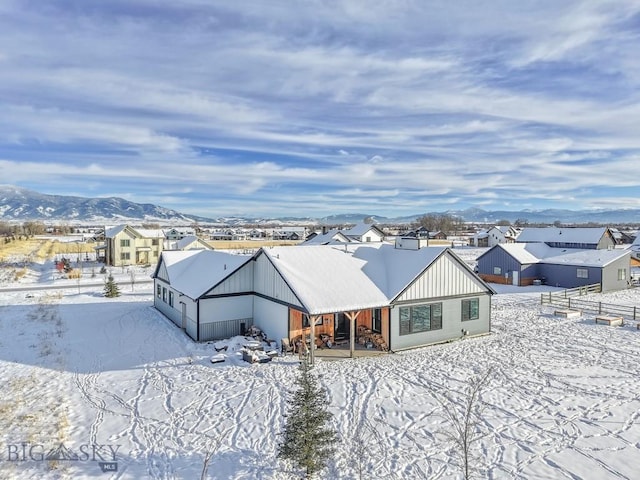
pixel 386 107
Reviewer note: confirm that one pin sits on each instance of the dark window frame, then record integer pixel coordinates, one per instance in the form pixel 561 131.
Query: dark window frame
pixel 420 318
pixel 470 309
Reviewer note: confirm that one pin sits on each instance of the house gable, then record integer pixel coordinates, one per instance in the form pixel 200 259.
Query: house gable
pixel 460 281
pixel 269 282
pixel 240 281
pixel 161 271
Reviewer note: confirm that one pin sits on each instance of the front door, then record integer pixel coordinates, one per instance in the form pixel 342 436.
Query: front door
pixel 341 326
pixel 184 315
pixel 515 278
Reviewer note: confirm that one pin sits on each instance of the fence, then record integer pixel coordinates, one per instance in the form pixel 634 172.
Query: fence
pixel 567 299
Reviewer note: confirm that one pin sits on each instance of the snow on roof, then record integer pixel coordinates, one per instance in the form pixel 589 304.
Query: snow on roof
pixel 349 276
pixel 564 235
pixel 113 231
pixel 359 229
pixel 186 241
pixel 587 258
pixel 527 253
pixel 322 239
pixel 194 272
pixel 150 232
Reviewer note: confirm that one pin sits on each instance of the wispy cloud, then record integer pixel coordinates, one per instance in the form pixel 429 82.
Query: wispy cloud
pixel 388 108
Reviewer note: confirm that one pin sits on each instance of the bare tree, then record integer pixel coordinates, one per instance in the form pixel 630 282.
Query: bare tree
pixel 464 422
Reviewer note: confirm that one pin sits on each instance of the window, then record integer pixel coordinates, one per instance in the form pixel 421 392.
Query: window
pixel 583 273
pixel 470 309
pixel 125 256
pixel 367 239
pixel 170 298
pixel 158 291
pixel 377 320
pixel 306 323
pixel 497 270
pixel 420 318
pixel 154 242
pixel 164 294
pixel 125 242
pixel 622 274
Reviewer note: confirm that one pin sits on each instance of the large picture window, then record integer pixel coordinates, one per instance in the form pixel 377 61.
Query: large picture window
pixel 470 309
pixel 420 318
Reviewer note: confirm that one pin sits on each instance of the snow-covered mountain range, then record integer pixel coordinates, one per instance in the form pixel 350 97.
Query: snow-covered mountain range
pixel 19 204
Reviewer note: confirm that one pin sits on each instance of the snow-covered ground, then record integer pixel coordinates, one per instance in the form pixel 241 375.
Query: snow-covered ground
pixel 116 383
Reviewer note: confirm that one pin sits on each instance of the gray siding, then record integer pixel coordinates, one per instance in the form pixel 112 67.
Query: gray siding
pixel 610 274
pixel 452 324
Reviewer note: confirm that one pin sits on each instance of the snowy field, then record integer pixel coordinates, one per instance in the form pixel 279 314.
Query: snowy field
pixel 116 383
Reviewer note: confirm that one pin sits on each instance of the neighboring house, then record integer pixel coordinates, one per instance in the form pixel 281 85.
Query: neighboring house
pixel 480 239
pixel 178 233
pixel 420 232
pixel 326 238
pixel 365 233
pixel 573 237
pixel 410 296
pixel 495 235
pixel 190 242
pixel 125 245
pixel 524 263
pixel 289 233
pixel 439 235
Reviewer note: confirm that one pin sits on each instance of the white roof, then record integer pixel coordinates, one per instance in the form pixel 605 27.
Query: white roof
pixel 150 232
pixel 528 253
pixel 186 241
pixel 194 272
pixel 359 229
pixel 329 278
pixel 333 235
pixel 564 235
pixel 113 231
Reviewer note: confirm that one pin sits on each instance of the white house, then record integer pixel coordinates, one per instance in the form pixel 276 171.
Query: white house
pixel 496 235
pixel 407 296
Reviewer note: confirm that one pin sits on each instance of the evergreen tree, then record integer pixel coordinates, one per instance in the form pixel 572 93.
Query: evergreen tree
pixel 308 441
pixel 111 288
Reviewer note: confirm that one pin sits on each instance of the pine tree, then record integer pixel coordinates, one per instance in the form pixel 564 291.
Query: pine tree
pixel 308 441
pixel 111 288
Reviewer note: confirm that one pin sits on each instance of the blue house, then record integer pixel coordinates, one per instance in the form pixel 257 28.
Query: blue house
pixel 524 263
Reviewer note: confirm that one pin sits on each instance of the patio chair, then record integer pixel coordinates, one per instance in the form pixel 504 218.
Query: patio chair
pixel 285 346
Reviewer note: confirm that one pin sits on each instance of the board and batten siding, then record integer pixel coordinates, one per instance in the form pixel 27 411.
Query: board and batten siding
pixel 444 278
pixel 452 324
pixel 498 257
pixel 240 281
pixel 268 282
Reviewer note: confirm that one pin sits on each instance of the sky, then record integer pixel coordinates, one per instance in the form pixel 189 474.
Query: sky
pixel 320 107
